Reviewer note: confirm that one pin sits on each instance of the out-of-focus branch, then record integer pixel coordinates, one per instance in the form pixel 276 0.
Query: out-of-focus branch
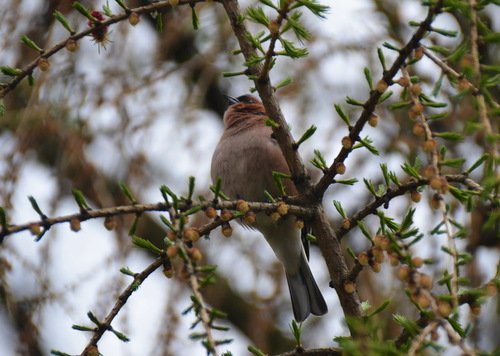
pixel 431 146
pixel 481 103
pixel 371 103
pixel 448 70
pixel 5 88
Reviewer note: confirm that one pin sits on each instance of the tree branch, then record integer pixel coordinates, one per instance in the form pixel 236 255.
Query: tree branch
pixel 371 103
pixel 5 88
pixel 122 299
pixel 328 243
pixel 138 209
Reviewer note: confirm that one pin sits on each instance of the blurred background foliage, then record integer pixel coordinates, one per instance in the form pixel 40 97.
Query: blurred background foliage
pixel 145 109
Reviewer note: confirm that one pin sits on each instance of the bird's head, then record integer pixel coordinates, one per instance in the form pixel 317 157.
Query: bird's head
pixel 243 109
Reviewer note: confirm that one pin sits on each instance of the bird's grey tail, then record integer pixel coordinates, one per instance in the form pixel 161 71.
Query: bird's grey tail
pixel 304 292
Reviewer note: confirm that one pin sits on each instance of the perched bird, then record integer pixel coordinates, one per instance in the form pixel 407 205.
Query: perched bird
pixel 244 159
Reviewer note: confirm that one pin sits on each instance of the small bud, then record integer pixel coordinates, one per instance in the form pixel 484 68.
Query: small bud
pixel 227 230
pixel 210 213
pixel 418 53
pixel 429 171
pixel 385 244
pixel 415 196
pixel 373 120
pixel 444 308
pixel 381 86
pixel 417 262
pixel 109 223
pixel 275 216
pixel 346 224
pixel 467 61
pixel 381 241
pixel 491 289
pixel 430 145
pixel 169 272
pixel 349 287
pixel 363 258
pixel 191 234
pixel 226 215
pixel 435 201
pixel 299 223
pixel 195 254
pixel 171 235
pixel 35 229
pixel 425 281
pixel 99 33
pixel 475 309
pixel 376 267
pixel 415 111
pixel 435 183
pixel 463 84
pixel 418 129
pixel 423 300
pixel 403 81
pixel 283 208
pixel 75 225
pixel 444 186
pixel 242 206
pixel 173 3
pixel 133 18
pixel 274 28
pixel 172 251
pixel 249 218
pixel 43 64
pixel 403 272
pixel 340 168
pixel 416 89
pixel 378 254
pixel 393 259
pixel 346 142
pixel 71 45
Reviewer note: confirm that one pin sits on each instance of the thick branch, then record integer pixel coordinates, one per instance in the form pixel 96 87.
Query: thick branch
pixel 266 93
pixel 328 243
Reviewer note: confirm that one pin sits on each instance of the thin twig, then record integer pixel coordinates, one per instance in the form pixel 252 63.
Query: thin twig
pixel 481 104
pixel 433 154
pixel 457 339
pixel 142 208
pixel 203 309
pixel 402 189
pixel 122 299
pixel 29 68
pixel 448 70
pixel 420 338
pixel 371 103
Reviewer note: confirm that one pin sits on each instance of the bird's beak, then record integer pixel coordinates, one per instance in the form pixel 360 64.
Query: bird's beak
pixel 231 100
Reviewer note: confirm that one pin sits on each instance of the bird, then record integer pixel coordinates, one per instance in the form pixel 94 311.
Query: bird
pixel 244 159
